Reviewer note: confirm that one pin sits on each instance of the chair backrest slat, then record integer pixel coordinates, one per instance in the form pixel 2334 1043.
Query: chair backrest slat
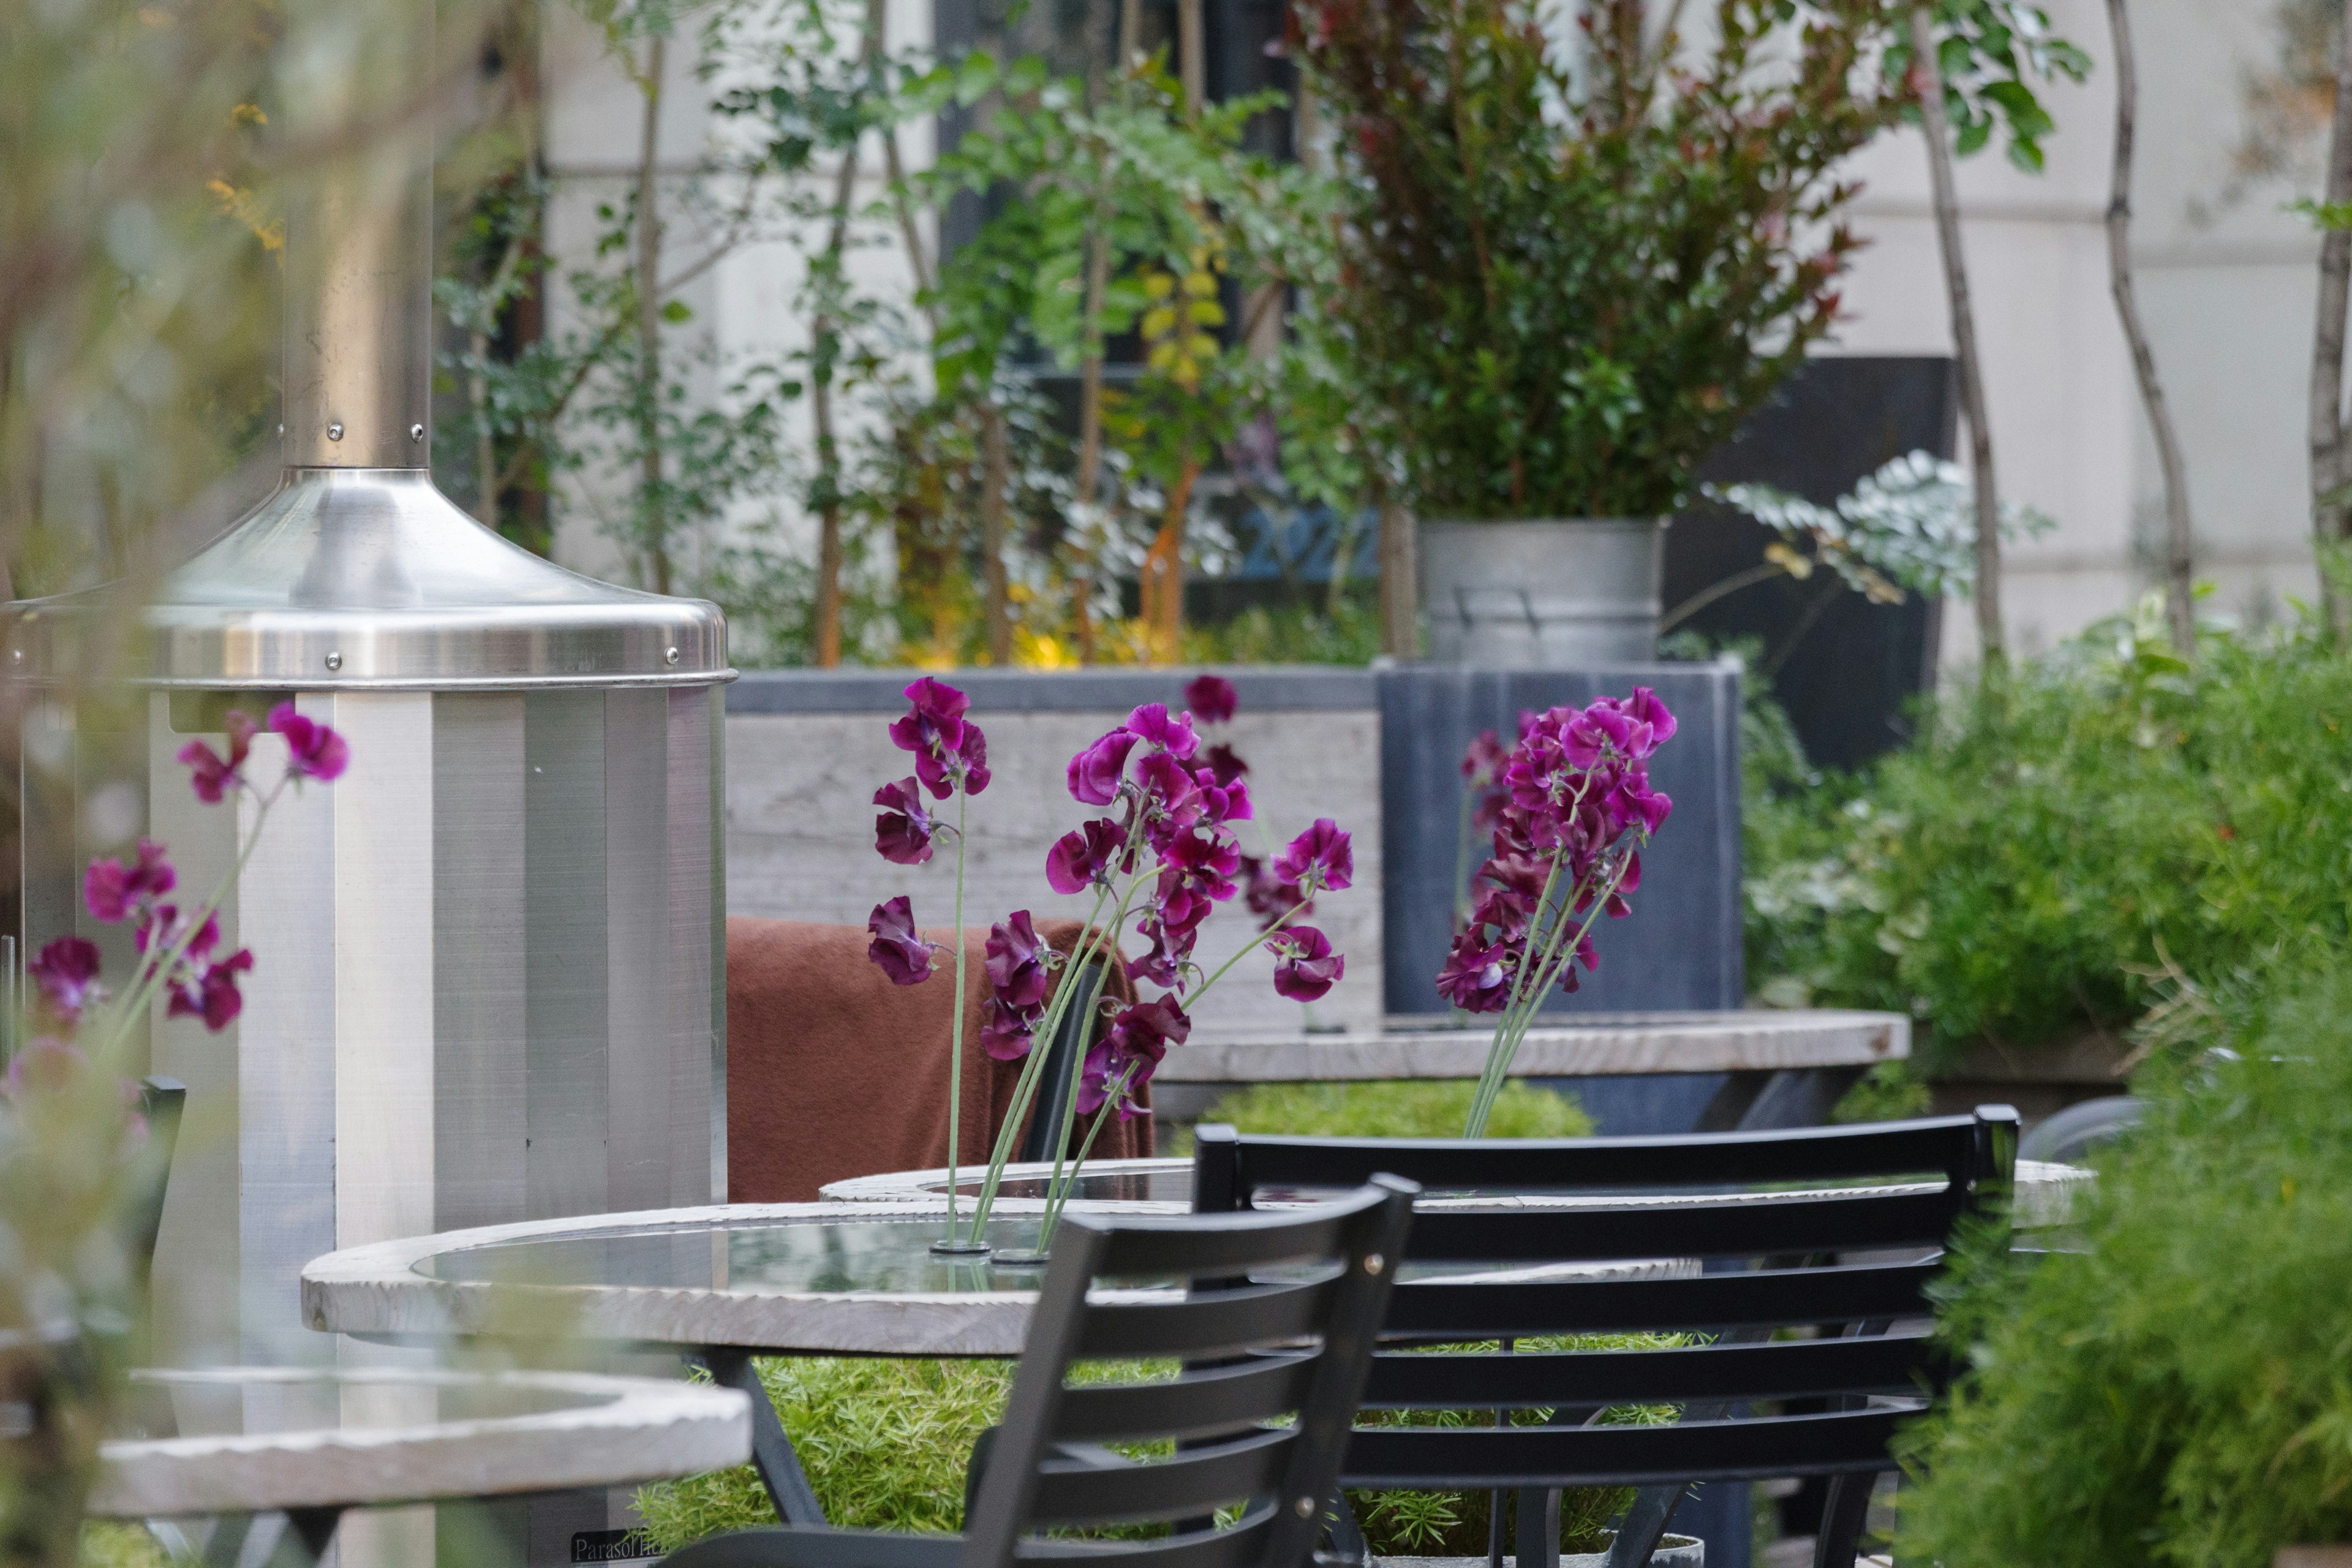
pixel 1836 1233
pixel 1206 1399
pixel 1481 1457
pixel 1226 1320
pixel 1081 1492
pixel 1875 1364
pixel 1761 1226
pixel 1290 1304
pixel 1776 1298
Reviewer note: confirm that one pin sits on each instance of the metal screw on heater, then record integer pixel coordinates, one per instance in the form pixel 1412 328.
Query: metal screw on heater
pixel 669 656
pixel 335 431
pixel 416 432
pixel 1374 1263
pixel 334 661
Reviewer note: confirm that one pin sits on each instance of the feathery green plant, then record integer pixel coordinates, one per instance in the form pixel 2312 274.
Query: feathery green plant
pixel 2180 1390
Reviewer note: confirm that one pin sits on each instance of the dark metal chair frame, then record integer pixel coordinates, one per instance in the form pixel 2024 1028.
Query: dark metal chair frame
pixel 1259 1338
pixel 1772 1266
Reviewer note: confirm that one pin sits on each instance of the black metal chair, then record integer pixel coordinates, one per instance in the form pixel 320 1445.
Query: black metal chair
pixel 1277 1321
pixel 1780 1257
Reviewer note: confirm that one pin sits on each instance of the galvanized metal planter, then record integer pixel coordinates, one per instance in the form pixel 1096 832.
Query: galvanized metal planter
pixel 1543 594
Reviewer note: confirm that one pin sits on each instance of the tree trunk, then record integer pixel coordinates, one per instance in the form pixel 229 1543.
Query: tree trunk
pixel 1930 80
pixel 1163 587
pixel 1400 568
pixel 2331 508
pixel 826 630
pixel 995 464
pixel 2178 541
pixel 654 524
pixel 1192 55
pixel 1091 367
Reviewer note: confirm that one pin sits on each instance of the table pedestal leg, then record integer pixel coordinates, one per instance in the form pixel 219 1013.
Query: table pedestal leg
pixel 771 1451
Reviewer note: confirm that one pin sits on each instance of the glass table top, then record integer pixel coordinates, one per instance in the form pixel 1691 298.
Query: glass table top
pixel 819 1255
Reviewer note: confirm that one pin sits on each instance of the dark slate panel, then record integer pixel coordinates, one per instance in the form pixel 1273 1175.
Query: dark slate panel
pixel 1264 689
pixel 1681 946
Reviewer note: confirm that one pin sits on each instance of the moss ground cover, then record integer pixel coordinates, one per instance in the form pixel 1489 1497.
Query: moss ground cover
pixel 2180 1391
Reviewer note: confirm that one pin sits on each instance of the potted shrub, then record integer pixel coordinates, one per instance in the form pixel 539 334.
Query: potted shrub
pixel 1566 274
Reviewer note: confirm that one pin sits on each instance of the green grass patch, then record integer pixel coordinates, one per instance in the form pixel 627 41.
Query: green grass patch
pixel 1397 1107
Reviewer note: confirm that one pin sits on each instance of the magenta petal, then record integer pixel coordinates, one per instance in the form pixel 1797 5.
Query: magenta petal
pixel 896 949
pixel 1211 698
pixel 1095 772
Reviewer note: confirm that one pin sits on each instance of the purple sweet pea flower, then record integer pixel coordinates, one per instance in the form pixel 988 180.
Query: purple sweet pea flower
pixel 312 750
pixel 1095 772
pixel 1174 735
pixel 945 747
pixel 1007 1032
pixel 1016 961
pixel 46 1065
pixel 1211 698
pixel 113 891
pixel 1323 850
pixel 1305 966
pixel 1270 898
pixel 1135 1043
pixel 902 833
pixel 67 973
pixel 902 954
pixel 1083 855
pixel 213 775
pixel 1477 977
pixel 1224 763
pixel 211 994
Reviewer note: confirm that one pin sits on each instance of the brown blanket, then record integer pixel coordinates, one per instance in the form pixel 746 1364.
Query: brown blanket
pixel 833 1072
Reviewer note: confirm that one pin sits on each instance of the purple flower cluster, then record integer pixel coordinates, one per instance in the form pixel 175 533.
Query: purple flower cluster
pixel 1571 807
pixel 1163 852
pixel 178 952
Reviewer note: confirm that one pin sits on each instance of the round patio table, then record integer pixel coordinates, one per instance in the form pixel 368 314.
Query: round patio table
pixel 314 1444
pixel 725 1282
pixel 2044 1192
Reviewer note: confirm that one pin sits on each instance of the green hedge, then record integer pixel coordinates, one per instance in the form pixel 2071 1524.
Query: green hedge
pixel 2180 1391
pixel 2106 830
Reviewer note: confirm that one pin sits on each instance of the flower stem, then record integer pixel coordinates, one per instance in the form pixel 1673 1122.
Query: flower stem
pixel 1077 1078
pixel 1024 1088
pixel 1192 999
pixel 955 1046
pixel 1513 1030
pixel 1055 1203
pixel 150 976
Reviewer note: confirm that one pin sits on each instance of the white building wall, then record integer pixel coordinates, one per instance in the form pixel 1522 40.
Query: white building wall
pixel 2227 290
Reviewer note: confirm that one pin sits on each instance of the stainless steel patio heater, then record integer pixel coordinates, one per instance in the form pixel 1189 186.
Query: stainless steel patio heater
pixel 489 963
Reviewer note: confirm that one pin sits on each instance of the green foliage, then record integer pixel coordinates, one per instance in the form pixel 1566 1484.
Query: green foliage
pixel 885 1444
pixel 1398 1108
pixel 2104 831
pixel 1990 53
pixel 1345 633
pixel 1564 285
pixel 120 1544
pixel 2180 1391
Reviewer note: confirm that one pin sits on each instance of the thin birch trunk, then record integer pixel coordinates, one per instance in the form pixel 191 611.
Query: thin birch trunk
pixel 2331 508
pixel 1090 365
pixel 478 387
pixel 828 628
pixel 1964 335
pixel 649 289
pixel 2178 539
pixel 1192 55
pixel 995 467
